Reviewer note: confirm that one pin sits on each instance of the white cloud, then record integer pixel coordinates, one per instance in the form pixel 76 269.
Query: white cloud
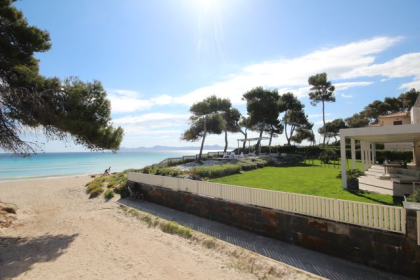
pixel 126 101
pixel 132 139
pixel 354 60
pixel 292 74
pixel 152 124
pixel 346 95
pixel 414 84
pixel 154 120
pixel 344 86
pixel 407 65
pixel 164 132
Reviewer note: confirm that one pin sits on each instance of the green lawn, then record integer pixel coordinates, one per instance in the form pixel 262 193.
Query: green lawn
pixel 304 179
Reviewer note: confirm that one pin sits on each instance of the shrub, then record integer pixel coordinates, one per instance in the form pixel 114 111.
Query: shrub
pixel 96 192
pixel 111 184
pixel 175 228
pixel 291 158
pixel 352 174
pixel 109 194
pixel 209 243
pixel 93 185
pixel 247 164
pixel 216 171
pixel 326 155
pixel 164 171
pixel 148 170
pixel 415 197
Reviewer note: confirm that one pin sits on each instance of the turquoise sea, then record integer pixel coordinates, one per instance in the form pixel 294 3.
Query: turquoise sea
pixel 65 164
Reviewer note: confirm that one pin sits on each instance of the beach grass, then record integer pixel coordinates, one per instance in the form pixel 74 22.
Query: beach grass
pixel 114 183
pixel 304 179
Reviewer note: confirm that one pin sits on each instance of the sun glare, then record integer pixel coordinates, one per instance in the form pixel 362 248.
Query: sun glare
pixel 206 4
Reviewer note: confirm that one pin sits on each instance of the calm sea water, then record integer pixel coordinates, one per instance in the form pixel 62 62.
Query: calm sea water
pixel 65 164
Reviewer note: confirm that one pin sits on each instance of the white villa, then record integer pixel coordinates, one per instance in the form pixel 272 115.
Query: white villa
pixel 389 178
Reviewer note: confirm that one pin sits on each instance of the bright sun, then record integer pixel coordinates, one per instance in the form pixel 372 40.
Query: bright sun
pixel 206 4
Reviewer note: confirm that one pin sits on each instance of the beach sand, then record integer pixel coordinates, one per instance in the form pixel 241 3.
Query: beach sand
pixel 61 234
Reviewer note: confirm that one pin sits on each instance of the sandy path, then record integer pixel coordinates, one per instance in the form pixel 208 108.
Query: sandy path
pixel 60 234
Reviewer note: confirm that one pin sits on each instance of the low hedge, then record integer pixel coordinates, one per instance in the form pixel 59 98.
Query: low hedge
pixel 216 171
pixel 250 164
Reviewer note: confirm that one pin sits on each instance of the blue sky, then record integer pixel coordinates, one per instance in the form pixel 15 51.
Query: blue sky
pixel 156 58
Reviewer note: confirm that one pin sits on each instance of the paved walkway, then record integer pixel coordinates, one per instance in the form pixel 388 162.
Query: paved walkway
pixel 311 261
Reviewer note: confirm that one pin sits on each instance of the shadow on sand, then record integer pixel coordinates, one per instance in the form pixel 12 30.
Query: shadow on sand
pixel 17 255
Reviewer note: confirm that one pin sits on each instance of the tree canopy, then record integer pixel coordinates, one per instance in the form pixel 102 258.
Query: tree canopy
pixel 321 91
pixel 333 128
pixel 29 100
pixel 206 119
pixel 231 117
pixel 263 109
pixel 304 133
pixel 390 105
pixel 294 116
pixel 357 120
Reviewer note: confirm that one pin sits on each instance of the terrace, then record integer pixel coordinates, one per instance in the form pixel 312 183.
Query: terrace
pixel 391 177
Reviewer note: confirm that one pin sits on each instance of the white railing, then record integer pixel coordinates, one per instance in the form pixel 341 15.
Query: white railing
pixel 377 216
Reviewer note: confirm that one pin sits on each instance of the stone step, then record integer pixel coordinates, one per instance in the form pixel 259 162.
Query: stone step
pixel 374 182
pixel 377 167
pixel 373 173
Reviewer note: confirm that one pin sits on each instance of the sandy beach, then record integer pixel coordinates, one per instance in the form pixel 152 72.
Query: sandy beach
pixel 61 234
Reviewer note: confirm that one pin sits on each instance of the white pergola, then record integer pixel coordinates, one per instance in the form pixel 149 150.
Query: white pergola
pixel 369 136
pixel 249 140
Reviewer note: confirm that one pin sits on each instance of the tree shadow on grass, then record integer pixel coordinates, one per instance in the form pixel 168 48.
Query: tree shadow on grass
pixel 17 255
pixel 396 200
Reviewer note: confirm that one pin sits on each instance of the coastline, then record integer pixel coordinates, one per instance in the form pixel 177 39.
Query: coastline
pixel 49 177
pixel 76 164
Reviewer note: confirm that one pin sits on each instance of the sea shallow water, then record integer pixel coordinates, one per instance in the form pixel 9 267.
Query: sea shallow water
pixel 64 164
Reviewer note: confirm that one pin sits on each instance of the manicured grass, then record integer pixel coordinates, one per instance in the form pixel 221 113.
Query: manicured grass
pixel 304 179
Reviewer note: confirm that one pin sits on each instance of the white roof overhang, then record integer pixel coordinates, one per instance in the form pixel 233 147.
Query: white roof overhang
pixel 384 134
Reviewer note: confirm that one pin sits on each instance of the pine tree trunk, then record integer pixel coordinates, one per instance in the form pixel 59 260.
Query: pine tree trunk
pixel 285 133
pixel 226 142
pixel 259 142
pixel 202 142
pixel 323 119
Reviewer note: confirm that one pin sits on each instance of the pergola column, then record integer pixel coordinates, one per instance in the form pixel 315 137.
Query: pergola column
pixel 373 153
pixel 343 162
pixel 362 154
pixel 353 153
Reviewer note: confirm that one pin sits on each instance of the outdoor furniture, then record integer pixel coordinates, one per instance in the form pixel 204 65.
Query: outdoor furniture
pixel 390 163
pixel 226 155
pixel 404 180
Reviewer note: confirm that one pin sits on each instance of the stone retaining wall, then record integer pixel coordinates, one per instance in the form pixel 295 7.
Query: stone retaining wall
pixel 375 248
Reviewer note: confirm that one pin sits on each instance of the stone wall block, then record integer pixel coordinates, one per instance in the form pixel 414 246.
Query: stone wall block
pixel 376 248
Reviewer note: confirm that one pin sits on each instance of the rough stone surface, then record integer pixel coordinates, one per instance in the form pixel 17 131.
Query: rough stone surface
pixel 375 248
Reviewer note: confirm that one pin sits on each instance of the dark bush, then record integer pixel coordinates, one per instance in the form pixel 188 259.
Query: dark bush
pixel 326 155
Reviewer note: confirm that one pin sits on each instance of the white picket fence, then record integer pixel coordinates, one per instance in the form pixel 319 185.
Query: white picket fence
pixel 377 216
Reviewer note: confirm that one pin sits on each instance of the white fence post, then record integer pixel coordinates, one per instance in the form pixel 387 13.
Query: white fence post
pixel 336 210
